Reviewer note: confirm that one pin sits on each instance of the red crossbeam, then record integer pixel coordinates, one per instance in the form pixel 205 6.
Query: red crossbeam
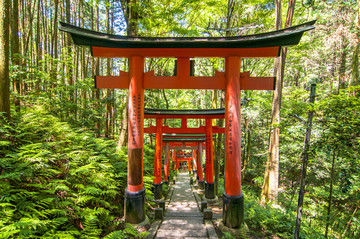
pixel 183 80
pixel 186 52
pixel 167 130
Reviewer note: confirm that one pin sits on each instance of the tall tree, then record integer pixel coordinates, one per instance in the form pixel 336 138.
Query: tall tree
pixel 69 64
pixel 97 72
pixel 108 72
pixel 15 48
pixel 305 157
pixel 271 177
pixel 4 58
pixel 355 59
pixel 54 46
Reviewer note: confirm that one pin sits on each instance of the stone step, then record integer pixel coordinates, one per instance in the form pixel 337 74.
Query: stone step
pixel 180 232
pixel 195 226
pixel 183 214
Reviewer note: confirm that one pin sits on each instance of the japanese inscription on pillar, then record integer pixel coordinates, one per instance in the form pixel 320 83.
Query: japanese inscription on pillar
pixel 230 135
pixel 135 121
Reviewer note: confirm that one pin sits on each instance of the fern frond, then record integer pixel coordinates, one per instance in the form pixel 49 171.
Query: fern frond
pixel 117 235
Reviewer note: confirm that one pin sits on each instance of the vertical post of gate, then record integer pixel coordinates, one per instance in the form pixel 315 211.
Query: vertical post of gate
pixel 194 162
pixel 200 173
pixel 209 185
pixel 233 200
pixel 166 163
pixel 173 159
pixel 158 160
pixel 135 191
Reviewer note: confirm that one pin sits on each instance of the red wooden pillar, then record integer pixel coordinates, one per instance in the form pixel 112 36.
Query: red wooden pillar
pixel 233 206
pixel 209 185
pixel 194 161
pixel 199 167
pixel 166 163
pixel 189 164
pixel 158 160
pixel 177 163
pixel 135 191
pixel 173 159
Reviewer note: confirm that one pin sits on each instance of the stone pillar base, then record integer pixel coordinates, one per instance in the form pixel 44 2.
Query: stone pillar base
pixel 233 210
pixel 134 206
pixel 209 190
pixel 158 191
pixel 201 185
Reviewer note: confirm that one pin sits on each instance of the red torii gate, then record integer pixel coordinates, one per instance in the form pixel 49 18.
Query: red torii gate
pixel 170 142
pixel 232 81
pixel 173 146
pixel 198 144
pixel 207 131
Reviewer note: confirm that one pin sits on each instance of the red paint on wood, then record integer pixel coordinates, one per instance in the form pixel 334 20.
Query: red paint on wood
pixel 187 144
pixel 186 52
pixel 112 82
pixel 158 151
pixel 232 127
pixel 136 188
pixel 209 152
pixel 199 164
pixel 200 130
pixel 173 159
pixel 257 83
pixel 166 162
pixel 136 124
pixel 148 116
pixel 168 168
pixel 183 81
pixel 194 160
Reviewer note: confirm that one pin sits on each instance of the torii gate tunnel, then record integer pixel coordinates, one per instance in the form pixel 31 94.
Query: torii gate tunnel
pixel 232 81
pixel 185 134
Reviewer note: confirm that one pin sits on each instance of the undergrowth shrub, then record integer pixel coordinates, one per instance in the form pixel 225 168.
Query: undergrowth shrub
pixel 271 220
pixel 60 182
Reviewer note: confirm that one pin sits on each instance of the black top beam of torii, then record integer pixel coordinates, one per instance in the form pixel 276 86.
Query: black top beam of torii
pixel 284 37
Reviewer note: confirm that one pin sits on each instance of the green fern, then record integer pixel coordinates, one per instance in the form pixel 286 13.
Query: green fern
pixel 117 235
pixel 59 182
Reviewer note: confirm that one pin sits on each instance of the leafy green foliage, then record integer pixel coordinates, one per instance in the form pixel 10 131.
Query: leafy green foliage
pixel 59 182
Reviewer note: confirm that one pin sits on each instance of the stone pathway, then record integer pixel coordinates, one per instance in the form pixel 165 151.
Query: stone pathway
pixel 182 218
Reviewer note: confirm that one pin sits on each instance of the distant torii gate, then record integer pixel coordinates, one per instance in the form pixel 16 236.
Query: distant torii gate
pixel 184 48
pixel 195 147
pixel 198 144
pixel 207 131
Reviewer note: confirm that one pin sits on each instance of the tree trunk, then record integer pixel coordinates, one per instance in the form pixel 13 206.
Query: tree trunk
pixel 55 45
pixel 97 71
pixel 15 49
pixel 342 66
pixel 246 151
pixel 108 91
pixel 355 60
pixel 69 64
pixel 38 44
pixel 124 125
pixel 330 194
pixel 304 164
pixel 271 178
pixel 355 66
pixel 4 58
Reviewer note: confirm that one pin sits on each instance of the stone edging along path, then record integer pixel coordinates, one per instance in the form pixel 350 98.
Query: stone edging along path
pixel 182 217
